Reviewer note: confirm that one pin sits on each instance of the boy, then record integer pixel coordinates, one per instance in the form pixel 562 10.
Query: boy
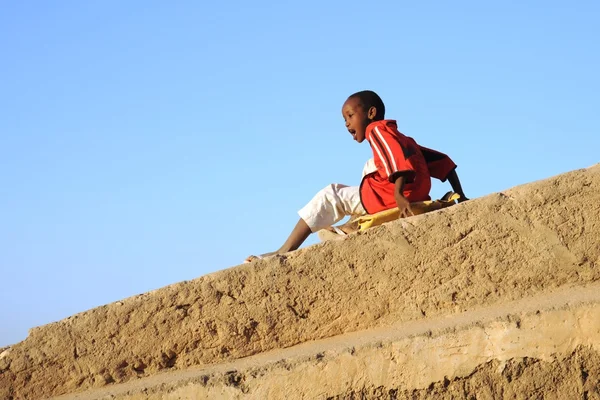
pixel 402 175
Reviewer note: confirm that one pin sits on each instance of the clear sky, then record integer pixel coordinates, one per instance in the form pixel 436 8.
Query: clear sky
pixel 144 143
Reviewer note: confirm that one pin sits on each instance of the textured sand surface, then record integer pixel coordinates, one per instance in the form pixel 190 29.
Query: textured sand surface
pixel 553 336
pixel 526 242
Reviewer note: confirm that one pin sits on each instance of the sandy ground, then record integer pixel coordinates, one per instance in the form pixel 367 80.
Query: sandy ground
pixel 528 241
pixel 547 344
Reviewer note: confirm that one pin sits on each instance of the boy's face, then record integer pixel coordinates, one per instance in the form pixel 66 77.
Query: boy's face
pixel 357 118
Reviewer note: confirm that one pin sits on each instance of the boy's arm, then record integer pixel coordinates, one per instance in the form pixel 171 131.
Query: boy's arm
pixel 439 164
pixel 455 183
pixel 401 201
pixel 442 167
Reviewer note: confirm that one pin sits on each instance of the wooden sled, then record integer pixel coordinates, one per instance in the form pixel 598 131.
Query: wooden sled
pixel 370 220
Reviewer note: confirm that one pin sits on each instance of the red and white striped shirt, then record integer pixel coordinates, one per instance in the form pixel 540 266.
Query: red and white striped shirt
pixel 395 155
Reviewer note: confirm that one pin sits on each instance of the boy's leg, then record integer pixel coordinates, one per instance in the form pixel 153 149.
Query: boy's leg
pixel 330 205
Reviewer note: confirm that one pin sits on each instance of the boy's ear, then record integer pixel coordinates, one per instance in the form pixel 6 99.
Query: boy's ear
pixel 372 113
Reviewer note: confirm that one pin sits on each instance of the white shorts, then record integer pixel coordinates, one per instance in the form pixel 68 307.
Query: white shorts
pixel 333 203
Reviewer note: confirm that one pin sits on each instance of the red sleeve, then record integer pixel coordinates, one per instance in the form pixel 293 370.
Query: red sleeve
pixel 439 164
pixel 393 154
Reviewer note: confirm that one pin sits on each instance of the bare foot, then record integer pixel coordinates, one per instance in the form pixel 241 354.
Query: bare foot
pixel 254 258
pixel 343 229
pixel 299 234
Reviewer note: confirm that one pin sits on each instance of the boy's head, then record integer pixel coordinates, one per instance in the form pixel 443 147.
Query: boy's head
pixel 360 110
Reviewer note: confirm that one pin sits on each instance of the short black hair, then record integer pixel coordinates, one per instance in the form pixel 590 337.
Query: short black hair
pixel 368 99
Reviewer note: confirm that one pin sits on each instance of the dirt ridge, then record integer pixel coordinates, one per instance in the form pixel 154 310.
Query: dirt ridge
pixel 464 347
pixel 499 248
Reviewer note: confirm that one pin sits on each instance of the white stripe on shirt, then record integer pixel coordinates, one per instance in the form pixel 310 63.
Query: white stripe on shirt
pixel 374 144
pixel 391 155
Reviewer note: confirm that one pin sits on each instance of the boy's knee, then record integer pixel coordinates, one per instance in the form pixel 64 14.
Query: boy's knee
pixel 330 189
pixel 328 192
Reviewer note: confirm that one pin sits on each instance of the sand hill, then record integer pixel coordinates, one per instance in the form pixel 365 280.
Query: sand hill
pixel 498 297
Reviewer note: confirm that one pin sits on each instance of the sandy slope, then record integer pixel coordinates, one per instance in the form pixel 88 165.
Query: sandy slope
pixel 525 242
pixel 552 337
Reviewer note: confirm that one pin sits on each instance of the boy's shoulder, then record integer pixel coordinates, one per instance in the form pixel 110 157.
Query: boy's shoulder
pixel 387 125
pixel 383 124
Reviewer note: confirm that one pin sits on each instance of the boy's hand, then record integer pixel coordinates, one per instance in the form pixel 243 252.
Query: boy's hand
pixel 403 205
pixel 401 201
pixel 456 186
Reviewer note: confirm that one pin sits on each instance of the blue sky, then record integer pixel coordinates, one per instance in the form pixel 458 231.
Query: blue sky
pixel 144 143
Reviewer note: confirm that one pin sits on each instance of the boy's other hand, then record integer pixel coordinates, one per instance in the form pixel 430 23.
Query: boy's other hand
pixel 403 206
